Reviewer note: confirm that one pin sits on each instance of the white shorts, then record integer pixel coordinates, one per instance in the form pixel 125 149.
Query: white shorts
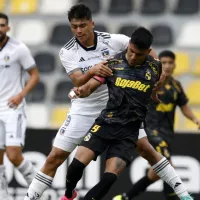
pixel 12 128
pixel 72 131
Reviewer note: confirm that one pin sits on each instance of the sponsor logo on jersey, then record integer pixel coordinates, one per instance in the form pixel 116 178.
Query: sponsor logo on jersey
pixel 125 83
pixel 162 107
pixel 85 69
pixel 81 59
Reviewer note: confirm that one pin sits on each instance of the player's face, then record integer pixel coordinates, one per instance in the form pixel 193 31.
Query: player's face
pixel 136 56
pixel 82 29
pixel 4 28
pixel 168 65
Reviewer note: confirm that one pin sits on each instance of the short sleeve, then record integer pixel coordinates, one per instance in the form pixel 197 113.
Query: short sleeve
pixel 68 60
pixel 120 41
pixel 25 58
pixel 182 99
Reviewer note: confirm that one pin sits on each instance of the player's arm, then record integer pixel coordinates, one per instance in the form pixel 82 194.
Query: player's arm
pixel 27 62
pixel 186 110
pixel 87 89
pixel 79 79
pixel 158 85
pixel 182 102
pixel 32 81
pixel 70 62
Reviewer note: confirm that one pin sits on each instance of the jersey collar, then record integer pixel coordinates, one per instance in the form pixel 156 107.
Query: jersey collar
pixel 4 44
pixel 90 48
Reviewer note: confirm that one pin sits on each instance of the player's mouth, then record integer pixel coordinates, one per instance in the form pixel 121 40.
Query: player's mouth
pixel 80 36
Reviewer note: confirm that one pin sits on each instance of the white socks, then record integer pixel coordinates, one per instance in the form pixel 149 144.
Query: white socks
pixel 27 170
pixel 3 183
pixel 39 184
pixel 167 173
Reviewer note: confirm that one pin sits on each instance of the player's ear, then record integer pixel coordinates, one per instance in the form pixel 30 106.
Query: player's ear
pixel 8 28
pixel 149 50
pixel 93 24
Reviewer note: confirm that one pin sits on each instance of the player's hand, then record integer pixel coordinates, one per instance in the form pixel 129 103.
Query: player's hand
pixel 13 102
pixel 101 70
pixel 155 98
pixel 74 93
pixel 197 122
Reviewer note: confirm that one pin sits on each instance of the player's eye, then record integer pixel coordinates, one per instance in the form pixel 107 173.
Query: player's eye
pixel 82 26
pixel 2 25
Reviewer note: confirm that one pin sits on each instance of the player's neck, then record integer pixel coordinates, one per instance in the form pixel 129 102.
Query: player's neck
pixel 90 42
pixel 3 42
pixel 168 78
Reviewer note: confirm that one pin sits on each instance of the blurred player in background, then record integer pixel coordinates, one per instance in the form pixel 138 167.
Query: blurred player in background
pixel 15 59
pixel 83 57
pixel 160 124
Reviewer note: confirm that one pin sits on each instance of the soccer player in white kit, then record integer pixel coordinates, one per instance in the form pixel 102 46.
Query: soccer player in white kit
pixel 83 57
pixel 15 59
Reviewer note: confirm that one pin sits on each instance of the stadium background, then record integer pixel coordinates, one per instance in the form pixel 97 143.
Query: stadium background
pixel 44 27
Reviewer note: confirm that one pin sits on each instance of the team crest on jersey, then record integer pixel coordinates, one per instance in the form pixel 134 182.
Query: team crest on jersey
pixel 105 53
pixel 148 75
pixel 87 137
pixel 62 131
pixel 6 58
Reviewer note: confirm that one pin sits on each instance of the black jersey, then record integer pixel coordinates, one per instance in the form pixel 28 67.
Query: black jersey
pixel 160 116
pixel 130 89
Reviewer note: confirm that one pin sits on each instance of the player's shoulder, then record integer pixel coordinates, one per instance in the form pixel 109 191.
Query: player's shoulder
pixel 151 59
pixel 103 35
pixel 14 43
pixel 176 83
pixel 154 64
pixel 70 44
pixel 111 36
pixel 68 48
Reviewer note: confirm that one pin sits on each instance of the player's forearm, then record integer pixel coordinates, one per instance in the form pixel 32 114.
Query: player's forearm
pixel 87 89
pixel 31 83
pixel 188 113
pixel 83 79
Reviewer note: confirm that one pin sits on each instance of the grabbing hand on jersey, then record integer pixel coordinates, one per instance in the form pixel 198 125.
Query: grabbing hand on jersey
pixel 13 102
pixel 101 70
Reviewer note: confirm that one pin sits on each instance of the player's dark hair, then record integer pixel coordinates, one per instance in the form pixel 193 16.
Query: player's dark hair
pixel 142 38
pixel 4 16
pixel 167 53
pixel 79 11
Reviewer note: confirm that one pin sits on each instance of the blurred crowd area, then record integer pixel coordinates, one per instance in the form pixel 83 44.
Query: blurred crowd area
pixel 43 25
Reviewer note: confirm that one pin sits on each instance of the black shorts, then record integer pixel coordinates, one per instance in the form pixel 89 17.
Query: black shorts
pixel 159 143
pixel 119 140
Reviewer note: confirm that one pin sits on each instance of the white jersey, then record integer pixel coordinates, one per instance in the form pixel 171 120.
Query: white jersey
pixel 74 57
pixel 15 58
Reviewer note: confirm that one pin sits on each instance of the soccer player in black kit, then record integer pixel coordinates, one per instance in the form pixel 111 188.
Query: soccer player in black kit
pixel 160 124
pixel 119 128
